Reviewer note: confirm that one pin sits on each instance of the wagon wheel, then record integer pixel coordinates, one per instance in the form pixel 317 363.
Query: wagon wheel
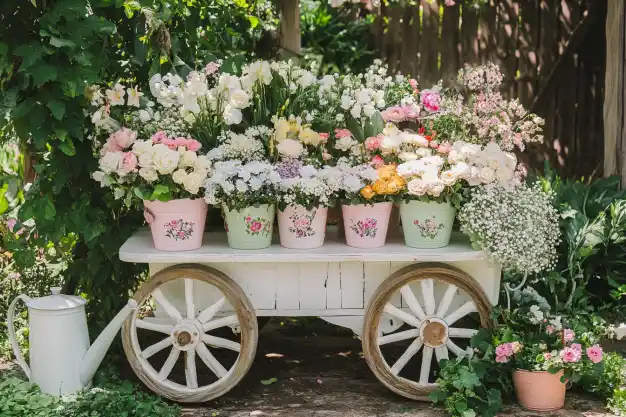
pixel 428 324
pixel 190 341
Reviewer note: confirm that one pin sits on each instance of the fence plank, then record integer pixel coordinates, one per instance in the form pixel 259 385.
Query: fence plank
pixel 528 40
pixel 507 43
pixel 290 27
pixel 429 44
pixel 488 32
pixel 394 35
pixel 450 43
pixel 410 40
pixel 469 34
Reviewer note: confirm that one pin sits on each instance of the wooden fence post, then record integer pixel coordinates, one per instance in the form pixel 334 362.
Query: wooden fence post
pixel 290 38
pixel 614 91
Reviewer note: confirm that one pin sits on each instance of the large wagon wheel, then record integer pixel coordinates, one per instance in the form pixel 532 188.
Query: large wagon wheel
pixel 429 323
pixel 190 338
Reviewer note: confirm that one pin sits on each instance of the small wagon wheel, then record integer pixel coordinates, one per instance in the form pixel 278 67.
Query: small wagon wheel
pixel 437 297
pixel 187 338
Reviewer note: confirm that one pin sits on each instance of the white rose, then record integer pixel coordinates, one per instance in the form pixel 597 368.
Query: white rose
pixel 487 175
pixel 239 99
pixel 414 139
pixel 461 170
pixel 346 102
pixel 142 146
pixel 436 188
pixel 454 156
pixel 407 156
pixel 356 111
pixel 145 159
pixel 474 176
pixel 511 161
pixel 448 178
pixel 144 116
pixel 179 176
pixel 192 183
pixel 102 178
pixel 290 148
pixel 202 162
pixel 148 173
pixel 369 110
pixel 232 116
pixel 417 187
pixel 423 152
pixel 164 159
pixel 390 143
pixel 188 159
pixel 110 162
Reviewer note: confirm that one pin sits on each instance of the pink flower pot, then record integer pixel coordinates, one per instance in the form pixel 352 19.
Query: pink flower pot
pixel 176 225
pixel 365 225
pixel 539 390
pixel 300 228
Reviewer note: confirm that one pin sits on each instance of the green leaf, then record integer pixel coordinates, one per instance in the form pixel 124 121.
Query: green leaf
pixel 93 230
pixel 160 189
pixel 59 43
pixel 469 413
pixel 43 73
pixel 254 21
pixel 30 54
pixel 67 147
pixel 57 108
pixel 268 381
pixel 378 123
pixel 460 406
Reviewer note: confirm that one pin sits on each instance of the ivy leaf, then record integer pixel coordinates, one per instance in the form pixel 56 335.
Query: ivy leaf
pixel 30 54
pixel 67 147
pixel 43 73
pixel 57 108
pixel 59 43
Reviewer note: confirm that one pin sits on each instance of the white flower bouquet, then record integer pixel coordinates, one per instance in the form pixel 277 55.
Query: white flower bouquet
pixel 292 140
pixel 305 185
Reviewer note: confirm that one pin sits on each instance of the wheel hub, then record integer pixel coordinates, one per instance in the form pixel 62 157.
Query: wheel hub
pixel 434 332
pixel 186 334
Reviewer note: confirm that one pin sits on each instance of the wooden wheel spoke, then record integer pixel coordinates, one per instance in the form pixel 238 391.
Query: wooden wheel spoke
pixel 444 305
pixel 191 375
pixel 156 327
pixel 412 302
pixel 427 359
pixel 396 337
pixel 428 292
pixel 405 317
pixel 441 353
pixel 167 367
pixel 406 356
pixel 454 348
pixel 162 300
pixel 210 361
pixel 458 332
pixel 216 324
pixel 464 310
pixel 221 342
pixel 209 312
pixel 189 298
pixel 157 347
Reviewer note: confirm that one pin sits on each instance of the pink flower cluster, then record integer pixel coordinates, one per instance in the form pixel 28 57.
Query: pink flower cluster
pixel 397 114
pixel 430 100
pixel 174 143
pixel 119 141
pixel 373 142
pixel 506 350
pixel 342 133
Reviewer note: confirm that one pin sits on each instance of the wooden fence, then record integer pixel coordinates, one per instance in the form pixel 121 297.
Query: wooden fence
pixel 552 53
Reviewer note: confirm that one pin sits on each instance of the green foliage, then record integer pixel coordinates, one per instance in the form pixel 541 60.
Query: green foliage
pixel 612 383
pixel 110 398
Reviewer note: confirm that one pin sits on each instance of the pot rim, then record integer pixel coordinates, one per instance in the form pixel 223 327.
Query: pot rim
pixel 536 372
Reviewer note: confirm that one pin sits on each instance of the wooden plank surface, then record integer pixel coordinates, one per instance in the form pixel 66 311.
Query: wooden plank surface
pixel 429 44
pixel 290 36
pixel 528 45
pixel 469 34
pixel 450 43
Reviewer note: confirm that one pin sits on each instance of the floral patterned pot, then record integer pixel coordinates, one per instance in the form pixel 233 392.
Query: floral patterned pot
pixel 300 228
pixel 251 227
pixel 427 225
pixel 176 225
pixel 539 390
pixel 366 225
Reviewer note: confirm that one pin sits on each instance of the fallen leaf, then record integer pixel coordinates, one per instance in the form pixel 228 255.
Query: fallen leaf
pixel 319 381
pixel 256 413
pixel 274 355
pixel 345 354
pixel 268 381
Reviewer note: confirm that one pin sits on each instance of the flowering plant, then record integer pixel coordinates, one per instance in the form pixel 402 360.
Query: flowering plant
pixel 366 184
pixel 246 147
pixel 238 185
pixel 306 185
pixel 294 141
pixel 517 227
pixel 160 168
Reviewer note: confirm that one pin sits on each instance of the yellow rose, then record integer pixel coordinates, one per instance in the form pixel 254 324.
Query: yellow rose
pixel 386 172
pixel 367 192
pixel 310 137
pixel 281 128
pixel 395 185
pixel 380 187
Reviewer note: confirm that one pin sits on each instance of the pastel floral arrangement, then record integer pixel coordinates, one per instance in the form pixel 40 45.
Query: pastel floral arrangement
pixel 533 339
pixel 292 140
pixel 158 168
pixel 305 185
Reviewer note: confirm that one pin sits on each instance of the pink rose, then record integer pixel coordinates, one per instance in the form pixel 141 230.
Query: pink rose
pixel 394 114
pixel 577 346
pixel 444 147
pixel 159 137
pixel 550 329
pixel 501 359
pixel 128 163
pixel 324 136
pixel 256 226
pixel 342 133
pixel 568 335
pixel 181 141
pixel 372 143
pixel 570 355
pixel 326 156
pixel 170 143
pixel 211 68
pixel 433 144
pixel 377 161
pixel 595 353
pixel 413 83
pixel 547 356
pixel 11 224
pixel 193 145
pixel 430 99
pixel 122 139
pixel 411 111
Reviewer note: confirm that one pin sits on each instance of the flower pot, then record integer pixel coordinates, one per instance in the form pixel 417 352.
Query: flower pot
pixel 176 225
pixel 251 227
pixel 300 228
pixel 539 390
pixel 366 225
pixel 427 225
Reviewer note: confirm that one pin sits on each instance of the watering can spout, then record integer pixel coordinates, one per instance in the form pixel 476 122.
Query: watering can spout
pixel 94 356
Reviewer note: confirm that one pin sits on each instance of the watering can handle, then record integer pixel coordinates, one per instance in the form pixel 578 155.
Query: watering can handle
pixel 12 337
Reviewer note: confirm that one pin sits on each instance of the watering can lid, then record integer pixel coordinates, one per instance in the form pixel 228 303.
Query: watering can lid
pixel 56 301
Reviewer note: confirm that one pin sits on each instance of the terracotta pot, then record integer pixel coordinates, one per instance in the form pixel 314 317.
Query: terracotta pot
pixel 176 225
pixel 539 390
pixel 366 226
pixel 300 228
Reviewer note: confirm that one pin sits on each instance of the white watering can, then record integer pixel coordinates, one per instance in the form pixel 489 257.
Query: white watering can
pixel 61 360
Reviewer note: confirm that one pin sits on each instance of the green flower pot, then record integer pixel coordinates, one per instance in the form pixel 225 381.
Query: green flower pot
pixel 427 225
pixel 250 228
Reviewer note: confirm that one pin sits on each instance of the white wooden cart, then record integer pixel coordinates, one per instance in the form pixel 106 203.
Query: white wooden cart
pixel 393 297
